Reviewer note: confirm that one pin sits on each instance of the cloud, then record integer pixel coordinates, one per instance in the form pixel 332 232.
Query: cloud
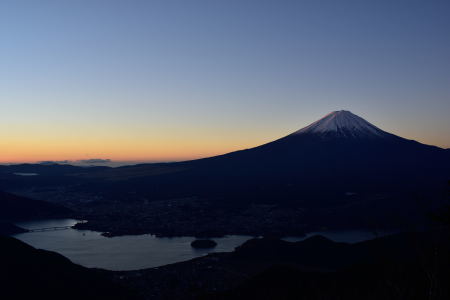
pixel 95 161
pixel 54 162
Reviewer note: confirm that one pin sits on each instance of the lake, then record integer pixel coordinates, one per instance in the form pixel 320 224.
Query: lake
pixel 132 252
pixel 344 236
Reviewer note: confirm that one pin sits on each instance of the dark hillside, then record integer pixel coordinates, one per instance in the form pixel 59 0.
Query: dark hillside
pixel 29 273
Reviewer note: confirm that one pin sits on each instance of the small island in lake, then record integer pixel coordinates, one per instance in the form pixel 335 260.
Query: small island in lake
pixel 203 244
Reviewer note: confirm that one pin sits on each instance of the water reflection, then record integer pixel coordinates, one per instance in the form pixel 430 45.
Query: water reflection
pixel 344 236
pixel 91 249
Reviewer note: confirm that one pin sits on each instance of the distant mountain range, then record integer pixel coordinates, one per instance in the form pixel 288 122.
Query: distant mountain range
pixel 339 149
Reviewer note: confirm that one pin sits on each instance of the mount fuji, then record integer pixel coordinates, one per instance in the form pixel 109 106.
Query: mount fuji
pixel 339 153
pixel 344 124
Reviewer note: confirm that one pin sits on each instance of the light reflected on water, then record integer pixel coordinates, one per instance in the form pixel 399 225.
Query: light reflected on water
pixel 91 249
pixel 344 236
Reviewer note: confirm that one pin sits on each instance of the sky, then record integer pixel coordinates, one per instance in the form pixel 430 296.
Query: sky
pixel 171 80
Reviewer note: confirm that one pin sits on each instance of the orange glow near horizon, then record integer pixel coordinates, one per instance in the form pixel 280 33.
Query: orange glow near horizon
pixel 20 149
pixel 43 141
pixel 31 152
pixel 35 149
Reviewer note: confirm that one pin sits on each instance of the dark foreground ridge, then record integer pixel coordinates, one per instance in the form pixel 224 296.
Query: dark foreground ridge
pixel 403 266
pixel 14 207
pixel 29 273
pixel 10 229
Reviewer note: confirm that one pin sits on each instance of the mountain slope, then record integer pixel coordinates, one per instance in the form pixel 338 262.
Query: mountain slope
pixel 28 273
pixel 14 207
pixel 393 267
pixel 340 150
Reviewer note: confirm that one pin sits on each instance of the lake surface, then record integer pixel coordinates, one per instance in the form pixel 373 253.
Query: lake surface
pixel 132 252
pixel 343 236
pixel 91 249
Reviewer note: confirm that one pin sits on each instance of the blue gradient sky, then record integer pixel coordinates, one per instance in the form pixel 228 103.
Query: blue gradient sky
pixel 162 80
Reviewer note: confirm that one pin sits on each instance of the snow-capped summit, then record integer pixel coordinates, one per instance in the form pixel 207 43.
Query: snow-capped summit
pixel 342 123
